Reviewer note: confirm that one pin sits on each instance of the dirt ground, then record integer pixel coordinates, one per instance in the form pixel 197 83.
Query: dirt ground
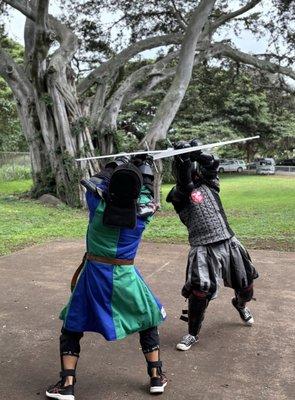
pixel 231 361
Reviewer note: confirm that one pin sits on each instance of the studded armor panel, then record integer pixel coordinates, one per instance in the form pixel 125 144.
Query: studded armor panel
pixel 204 217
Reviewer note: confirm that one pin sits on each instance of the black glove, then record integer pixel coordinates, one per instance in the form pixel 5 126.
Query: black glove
pixel 140 159
pixel 207 161
pixel 182 144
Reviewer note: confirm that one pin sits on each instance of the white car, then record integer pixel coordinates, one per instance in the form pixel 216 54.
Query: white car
pixel 232 166
pixel 265 166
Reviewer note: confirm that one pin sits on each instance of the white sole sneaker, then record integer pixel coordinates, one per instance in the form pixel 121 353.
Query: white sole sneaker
pixel 158 389
pixel 250 322
pixel 60 396
pixel 245 314
pixel 184 347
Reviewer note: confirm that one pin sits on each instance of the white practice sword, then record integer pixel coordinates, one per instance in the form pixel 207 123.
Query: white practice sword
pixel 159 154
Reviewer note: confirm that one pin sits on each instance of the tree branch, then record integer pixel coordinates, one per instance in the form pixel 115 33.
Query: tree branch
pixel 26 10
pixel 23 7
pixel 147 89
pixel 171 102
pixel 109 67
pixel 15 77
pixel 227 17
pixel 108 119
pixel 239 56
pixel 182 22
pixel 40 43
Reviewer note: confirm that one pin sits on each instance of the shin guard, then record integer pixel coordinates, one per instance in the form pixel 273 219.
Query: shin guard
pixel 244 295
pixel 197 305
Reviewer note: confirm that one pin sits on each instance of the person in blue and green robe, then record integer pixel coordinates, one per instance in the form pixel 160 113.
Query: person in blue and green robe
pixel 110 296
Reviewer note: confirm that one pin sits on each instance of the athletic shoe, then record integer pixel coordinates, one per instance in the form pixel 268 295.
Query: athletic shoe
pixel 60 392
pixel 244 312
pixel 186 342
pixel 158 384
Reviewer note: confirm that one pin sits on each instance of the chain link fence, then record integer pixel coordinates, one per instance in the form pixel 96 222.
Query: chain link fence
pixel 285 170
pixel 15 166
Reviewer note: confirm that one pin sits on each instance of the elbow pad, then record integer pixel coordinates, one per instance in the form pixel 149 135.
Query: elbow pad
pixel 146 210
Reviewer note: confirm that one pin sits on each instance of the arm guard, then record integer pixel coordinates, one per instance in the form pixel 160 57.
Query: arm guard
pixel 182 169
pixel 146 210
pixel 148 183
pixel 208 169
pixel 182 173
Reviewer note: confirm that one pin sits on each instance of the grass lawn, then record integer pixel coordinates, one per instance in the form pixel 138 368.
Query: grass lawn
pixel 260 209
pixel 26 222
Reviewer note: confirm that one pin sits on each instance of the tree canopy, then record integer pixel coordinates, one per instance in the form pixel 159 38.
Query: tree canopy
pixel 83 70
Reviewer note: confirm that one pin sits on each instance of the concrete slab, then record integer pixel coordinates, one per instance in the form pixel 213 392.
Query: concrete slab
pixel 230 362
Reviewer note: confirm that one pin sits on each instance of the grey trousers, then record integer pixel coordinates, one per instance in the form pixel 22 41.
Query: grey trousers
pixel 210 265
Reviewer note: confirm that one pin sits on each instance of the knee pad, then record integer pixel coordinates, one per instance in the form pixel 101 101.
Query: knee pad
pixel 70 343
pixel 149 340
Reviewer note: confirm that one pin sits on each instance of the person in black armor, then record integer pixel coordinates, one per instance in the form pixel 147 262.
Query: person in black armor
pixel 215 254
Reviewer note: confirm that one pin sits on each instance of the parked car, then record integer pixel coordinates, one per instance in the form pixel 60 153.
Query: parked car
pixel 232 166
pixel 287 161
pixel 265 166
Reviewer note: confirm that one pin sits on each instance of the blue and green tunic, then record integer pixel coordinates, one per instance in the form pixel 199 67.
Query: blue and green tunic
pixel 110 299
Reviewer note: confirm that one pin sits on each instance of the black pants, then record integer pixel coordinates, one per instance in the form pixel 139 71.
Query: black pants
pixel 70 341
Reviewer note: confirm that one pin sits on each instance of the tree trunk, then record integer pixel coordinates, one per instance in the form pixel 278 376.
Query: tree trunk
pixel 38 153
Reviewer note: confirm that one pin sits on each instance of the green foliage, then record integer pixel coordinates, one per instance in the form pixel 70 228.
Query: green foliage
pixel 79 125
pixel 223 103
pixel 47 99
pixel 11 137
pixel 246 108
pixel 15 50
pixel 125 141
pixel 45 183
pixel 284 125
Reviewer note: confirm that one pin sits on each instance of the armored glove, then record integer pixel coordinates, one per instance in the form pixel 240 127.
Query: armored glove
pixel 195 154
pixel 182 144
pixel 118 161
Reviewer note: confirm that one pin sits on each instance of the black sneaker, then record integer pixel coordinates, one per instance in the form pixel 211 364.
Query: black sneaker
pixel 157 384
pixel 244 312
pixel 186 342
pixel 60 392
